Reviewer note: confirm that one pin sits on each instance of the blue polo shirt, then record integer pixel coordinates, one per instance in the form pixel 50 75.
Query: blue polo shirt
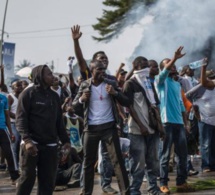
pixel 3 107
pixel 169 93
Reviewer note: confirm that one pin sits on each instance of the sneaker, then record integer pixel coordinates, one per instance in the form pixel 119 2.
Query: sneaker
pixel 144 178
pixel 206 170
pixel 60 188
pixel 74 184
pixel 165 189
pixel 109 190
pixel 185 188
pixel 14 181
pixel 192 172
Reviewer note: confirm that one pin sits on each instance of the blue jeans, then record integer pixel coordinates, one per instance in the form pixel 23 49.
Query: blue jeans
pixel 16 144
pixel 207 145
pixel 175 133
pixel 106 167
pixel 144 151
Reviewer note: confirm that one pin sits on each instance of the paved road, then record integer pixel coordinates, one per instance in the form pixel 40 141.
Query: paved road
pixel 7 189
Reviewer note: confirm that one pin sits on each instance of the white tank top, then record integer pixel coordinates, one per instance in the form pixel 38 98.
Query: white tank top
pixel 13 107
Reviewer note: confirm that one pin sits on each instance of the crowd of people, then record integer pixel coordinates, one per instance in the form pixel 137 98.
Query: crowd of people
pixel 63 131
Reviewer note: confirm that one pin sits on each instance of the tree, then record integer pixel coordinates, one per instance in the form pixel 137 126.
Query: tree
pixel 22 64
pixel 113 21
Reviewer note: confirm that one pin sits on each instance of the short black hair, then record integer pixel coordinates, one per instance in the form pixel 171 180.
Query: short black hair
pixel 139 60
pixel 151 62
pixel 98 52
pixel 161 63
pixel 14 81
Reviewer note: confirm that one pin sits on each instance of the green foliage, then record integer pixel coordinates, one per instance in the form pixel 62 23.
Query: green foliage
pixel 112 21
pixel 200 185
pixel 22 64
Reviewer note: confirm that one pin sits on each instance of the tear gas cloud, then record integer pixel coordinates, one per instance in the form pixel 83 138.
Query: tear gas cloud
pixel 177 23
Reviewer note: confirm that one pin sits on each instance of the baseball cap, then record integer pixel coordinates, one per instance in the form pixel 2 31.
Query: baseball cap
pixel 122 71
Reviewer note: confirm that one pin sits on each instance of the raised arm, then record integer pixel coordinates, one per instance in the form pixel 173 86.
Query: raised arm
pixel 119 69
pixel 166 66
pixel 71 79
pixel 203 79
pixel 176 56
pixel 76 34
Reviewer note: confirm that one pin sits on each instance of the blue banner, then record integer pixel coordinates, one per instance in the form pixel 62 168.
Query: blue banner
pixel 8 59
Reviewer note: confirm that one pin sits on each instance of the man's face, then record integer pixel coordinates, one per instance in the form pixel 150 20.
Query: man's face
pixel 190 72
pixel 24 84
pixel 17 87
pixel 173 69
pixel 48 77
pixel 55 82
pixel 102 58
pixel 154 70
pixel 98 71
pixel 70 110
pixel 121 77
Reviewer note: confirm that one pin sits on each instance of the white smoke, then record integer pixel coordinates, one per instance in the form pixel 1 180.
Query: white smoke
pixel 188 23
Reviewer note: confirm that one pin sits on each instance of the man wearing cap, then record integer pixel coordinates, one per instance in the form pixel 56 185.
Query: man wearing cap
pixel 16 86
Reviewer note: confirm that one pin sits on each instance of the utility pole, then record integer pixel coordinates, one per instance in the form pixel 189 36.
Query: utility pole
pixel 2 34
pixel 52 66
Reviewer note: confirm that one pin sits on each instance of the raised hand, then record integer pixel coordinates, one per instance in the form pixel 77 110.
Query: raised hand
pixel 122 65
pixel 76 34
pixel 31 148
pixel 110 90
pixel 178 53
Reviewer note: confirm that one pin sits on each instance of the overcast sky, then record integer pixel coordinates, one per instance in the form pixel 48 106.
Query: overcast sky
pixel 44 46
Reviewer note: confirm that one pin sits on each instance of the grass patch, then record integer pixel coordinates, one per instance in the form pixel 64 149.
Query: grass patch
pixel 206 184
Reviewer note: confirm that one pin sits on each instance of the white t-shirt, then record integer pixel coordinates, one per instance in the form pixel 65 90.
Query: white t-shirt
pixel 100 108
pixel 207 107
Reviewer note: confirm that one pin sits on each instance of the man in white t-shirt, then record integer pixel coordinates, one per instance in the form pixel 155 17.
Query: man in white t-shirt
pixel 100 117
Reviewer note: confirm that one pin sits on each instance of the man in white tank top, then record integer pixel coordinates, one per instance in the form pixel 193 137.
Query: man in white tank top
pixel 16 86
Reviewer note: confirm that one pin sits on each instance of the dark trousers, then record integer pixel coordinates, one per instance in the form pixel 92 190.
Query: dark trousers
pixel 91 141
pixel 6 146
pixel 45 163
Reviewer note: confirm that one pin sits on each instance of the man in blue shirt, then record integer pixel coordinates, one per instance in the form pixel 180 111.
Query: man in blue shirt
pixel 174 120
pixel 6 138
